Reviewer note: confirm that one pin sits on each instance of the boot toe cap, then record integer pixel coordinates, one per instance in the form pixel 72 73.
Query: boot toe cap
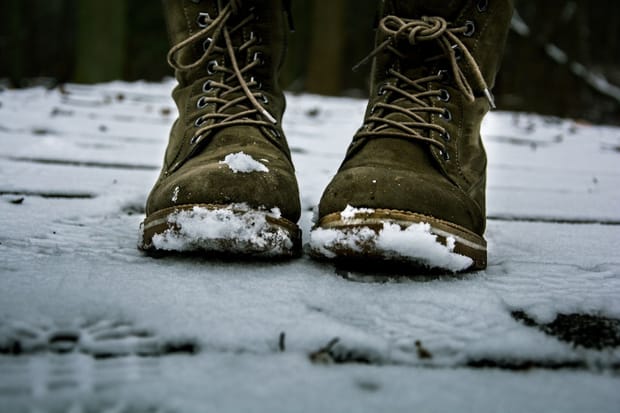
pixel 217 183
pixel 402 190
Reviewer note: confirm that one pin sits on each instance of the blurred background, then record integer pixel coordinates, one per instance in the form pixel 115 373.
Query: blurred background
pixel 562 57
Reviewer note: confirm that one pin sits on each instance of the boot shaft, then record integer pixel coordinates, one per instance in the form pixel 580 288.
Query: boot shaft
pixel 226 55
pixel 269 21
pixel 487 23
pixel 434 63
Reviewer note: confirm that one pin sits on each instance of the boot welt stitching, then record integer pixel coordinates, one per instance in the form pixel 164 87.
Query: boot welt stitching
pixel 389 215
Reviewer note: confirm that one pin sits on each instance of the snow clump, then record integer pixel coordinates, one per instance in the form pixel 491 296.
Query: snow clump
pixel 350 212
pixel 241 162
pixel 236 228
pixel 415 243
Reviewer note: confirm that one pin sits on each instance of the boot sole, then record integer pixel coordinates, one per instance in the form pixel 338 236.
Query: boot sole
pixel 388 235
pixel 221 230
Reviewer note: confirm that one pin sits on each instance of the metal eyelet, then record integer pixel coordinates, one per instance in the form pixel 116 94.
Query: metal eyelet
pixel 444 95
pixel 482 5
pixel 458 53
pixel 389 69
pixel 258 56
pixel 446 115
pixel 442 74
pixel 207 43
pixel 206 86
pixel 444 155
pixel 202 103
pixel 446 136
pixel 381 91
pixel 202 19
pixel 259 85
pixel 195 139
pixel 199 122
pixel 470 27
pixel 258 39
pixel 211 67
pixel 264 99
pixel 276 133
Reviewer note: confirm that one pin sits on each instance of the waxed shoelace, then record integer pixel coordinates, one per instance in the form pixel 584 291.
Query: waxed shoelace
pixel 417 31
pixel 215 30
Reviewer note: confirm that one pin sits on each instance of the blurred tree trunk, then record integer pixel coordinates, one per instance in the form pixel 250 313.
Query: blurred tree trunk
pixel 294 70
pixel 326 49
pixel 101 40
pixel 12 56
pixel 36 40
pixel 538 72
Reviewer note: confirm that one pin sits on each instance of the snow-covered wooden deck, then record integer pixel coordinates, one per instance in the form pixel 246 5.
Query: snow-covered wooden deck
pixel 88 323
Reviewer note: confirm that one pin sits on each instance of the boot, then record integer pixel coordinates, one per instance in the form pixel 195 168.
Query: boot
pixel 227 184
pixel 412 185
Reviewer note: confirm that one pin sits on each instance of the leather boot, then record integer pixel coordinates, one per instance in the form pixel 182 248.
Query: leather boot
pixel 227 184
pixel 412 185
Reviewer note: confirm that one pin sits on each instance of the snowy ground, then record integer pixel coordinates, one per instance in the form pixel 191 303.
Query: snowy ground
pixel 88 323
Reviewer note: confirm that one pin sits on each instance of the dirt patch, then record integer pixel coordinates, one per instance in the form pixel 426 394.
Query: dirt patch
pixel 581 330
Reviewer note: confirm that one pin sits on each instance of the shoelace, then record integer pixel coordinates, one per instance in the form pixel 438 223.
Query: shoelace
pixel 213 31
pixel 416 31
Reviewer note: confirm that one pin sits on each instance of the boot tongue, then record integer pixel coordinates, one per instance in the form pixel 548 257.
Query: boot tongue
pixel 414 9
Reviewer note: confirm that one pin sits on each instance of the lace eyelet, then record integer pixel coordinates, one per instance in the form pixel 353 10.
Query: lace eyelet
pixel 264 99
pixel 258 56
pixel 202 19
pixel 195 139
pixel 444 154
pixel 470 28
pixel 206 43
pixel 442 75
pixel 446 115
pixel 276 133
pixel 446 136
pixel 444 95
pixel 199 122
pixel 202 103
pixel 211 67
pixel 259 85
pixel 458 53
pixel 482 5
pixel 381 91
pixel 257 39
pixel 206 86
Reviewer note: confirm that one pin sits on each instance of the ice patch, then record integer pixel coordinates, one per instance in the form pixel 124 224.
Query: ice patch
pixel 415 243
pixel 241 162
pixel 350 212
pixel 234 229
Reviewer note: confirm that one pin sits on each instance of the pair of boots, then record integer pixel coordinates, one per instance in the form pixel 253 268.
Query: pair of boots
pixel 412 184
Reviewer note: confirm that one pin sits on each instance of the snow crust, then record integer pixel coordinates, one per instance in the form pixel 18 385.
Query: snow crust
pixel 235 228
pixel 415 243
pixel 244 163
pixel 350 212
pixel 72 193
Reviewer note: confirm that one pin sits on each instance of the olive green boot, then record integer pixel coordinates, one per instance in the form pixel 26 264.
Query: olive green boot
pixel 412 185
pixel 227 184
